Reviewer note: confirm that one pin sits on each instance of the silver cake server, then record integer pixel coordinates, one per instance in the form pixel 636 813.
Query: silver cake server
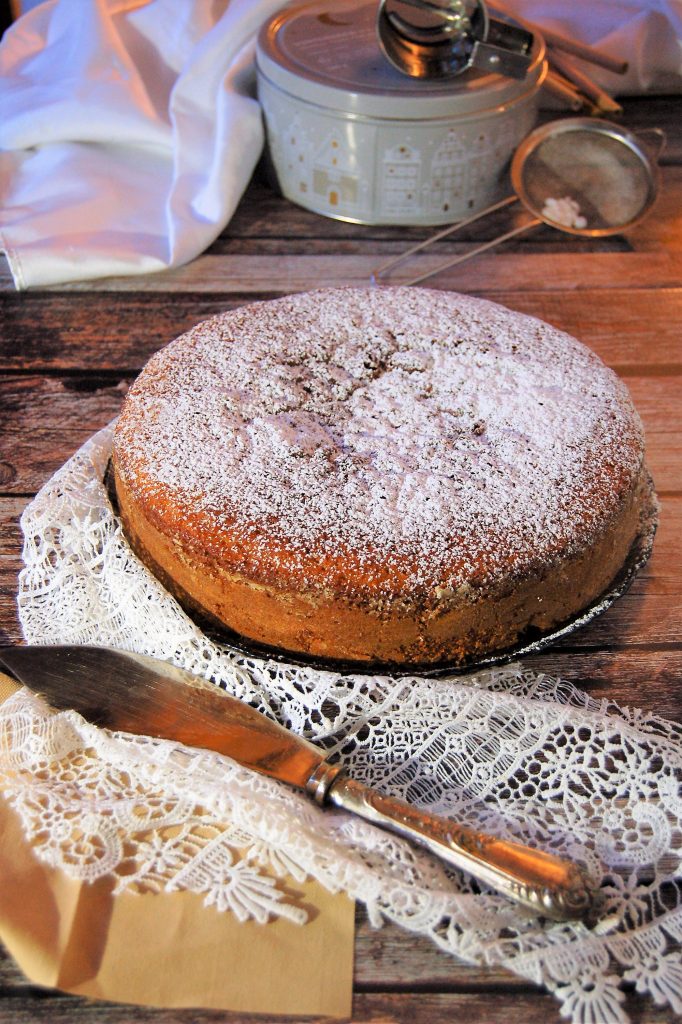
pixel 132 693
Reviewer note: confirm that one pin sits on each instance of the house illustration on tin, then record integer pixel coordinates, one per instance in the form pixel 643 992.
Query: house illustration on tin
pixel 449 173
pixel 335 174
pixel 401 175
pixel 297 150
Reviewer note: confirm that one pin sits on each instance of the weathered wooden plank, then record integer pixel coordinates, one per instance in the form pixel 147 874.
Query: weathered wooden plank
pixel 11 542
pixel 94 331
pixel 641 113
pixel 492 1007
pixel 269 226
pixel 632 331
pixel 663 457
pixel 387 962
pixel 44 420
pixel 272 244
pixel 635 331
pixel 635 618
pixel 650 679
pixel 659 403
pixel 283 273
pixel 506 1006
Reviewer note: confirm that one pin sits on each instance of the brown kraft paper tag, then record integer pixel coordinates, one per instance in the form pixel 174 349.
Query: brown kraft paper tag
pixel 168 949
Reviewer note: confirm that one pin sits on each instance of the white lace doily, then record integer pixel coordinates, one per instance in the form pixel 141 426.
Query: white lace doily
pixel 510 751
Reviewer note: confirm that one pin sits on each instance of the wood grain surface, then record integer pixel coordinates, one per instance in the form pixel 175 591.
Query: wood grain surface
pixel 68 354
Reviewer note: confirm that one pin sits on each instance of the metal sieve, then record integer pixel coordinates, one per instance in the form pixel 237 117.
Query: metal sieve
pixel 582 176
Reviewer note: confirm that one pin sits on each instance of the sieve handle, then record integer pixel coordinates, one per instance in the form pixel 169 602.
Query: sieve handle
pixel 380 271
pixel 659 136
pixel 474 252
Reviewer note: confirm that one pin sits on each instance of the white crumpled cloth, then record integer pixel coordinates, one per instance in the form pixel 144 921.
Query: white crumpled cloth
pixel 129 128
pixel 129 132
pixel 509 751
pixel 645 33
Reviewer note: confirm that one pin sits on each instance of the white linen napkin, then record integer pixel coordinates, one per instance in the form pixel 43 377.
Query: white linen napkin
pixel 130 130
pixel 645 33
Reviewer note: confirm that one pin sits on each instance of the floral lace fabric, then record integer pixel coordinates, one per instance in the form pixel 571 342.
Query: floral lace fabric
pixel 506 750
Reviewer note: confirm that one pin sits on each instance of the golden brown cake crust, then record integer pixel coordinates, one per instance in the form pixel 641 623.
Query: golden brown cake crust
pixel 394 475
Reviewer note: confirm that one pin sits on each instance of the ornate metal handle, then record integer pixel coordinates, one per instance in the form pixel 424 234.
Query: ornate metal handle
pixel 546 884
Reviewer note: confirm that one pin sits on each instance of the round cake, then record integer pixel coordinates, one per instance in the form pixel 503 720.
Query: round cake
pixel 393 476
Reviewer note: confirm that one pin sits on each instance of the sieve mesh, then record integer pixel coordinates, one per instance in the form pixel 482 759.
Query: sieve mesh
pixel 609 178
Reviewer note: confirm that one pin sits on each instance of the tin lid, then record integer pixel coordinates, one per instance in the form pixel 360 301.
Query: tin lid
pixel 327 52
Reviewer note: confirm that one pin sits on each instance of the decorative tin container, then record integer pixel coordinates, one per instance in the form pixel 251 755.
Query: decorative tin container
pixel 352 138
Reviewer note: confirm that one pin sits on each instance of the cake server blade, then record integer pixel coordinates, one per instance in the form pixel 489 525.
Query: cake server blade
pixel 133 693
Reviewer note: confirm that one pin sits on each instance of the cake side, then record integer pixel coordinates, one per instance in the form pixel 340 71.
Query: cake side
pixel 454 627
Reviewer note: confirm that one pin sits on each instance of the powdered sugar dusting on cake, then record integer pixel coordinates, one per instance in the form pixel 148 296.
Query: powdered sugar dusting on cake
pixel 404 426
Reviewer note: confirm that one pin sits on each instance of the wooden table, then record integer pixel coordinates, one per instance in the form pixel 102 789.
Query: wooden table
pixel 68 354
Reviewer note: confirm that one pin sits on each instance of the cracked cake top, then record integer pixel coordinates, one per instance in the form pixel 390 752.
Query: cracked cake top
pixel 430 438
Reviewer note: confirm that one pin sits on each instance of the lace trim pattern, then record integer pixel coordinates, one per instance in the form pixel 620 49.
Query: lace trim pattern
pixel 506 750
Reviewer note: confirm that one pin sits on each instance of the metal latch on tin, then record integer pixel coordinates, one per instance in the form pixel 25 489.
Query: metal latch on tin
pixel 443 38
